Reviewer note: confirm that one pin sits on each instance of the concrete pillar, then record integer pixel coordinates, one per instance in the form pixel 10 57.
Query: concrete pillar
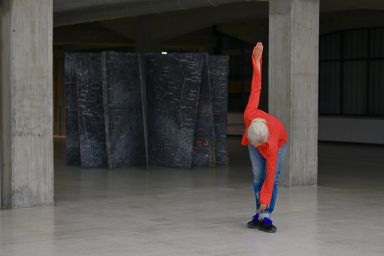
pixel 293 83
pixel 26 119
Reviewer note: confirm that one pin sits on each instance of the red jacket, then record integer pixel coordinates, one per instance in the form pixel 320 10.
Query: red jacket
pixel 276 139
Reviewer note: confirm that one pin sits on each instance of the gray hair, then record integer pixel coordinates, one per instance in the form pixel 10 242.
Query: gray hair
pixel 258 131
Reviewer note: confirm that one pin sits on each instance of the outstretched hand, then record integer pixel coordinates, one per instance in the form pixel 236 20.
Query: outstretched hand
pixel 258 53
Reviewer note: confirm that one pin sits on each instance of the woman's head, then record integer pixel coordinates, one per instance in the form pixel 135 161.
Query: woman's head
pixel 258 132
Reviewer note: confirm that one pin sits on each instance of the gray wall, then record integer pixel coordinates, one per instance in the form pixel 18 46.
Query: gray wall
pixel 351 129
pixel 359 130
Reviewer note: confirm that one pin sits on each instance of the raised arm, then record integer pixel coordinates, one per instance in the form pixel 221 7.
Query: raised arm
pixel 254 97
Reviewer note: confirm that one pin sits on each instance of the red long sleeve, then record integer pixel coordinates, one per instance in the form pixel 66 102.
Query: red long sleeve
pixel 254 97
pixel 271 164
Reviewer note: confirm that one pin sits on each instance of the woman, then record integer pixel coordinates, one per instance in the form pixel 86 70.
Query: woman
pixel 266 139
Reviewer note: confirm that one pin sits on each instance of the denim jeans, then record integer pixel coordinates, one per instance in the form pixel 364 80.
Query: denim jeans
pixel 259 173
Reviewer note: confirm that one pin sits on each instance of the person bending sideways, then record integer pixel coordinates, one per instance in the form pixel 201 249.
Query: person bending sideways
pixel 266 139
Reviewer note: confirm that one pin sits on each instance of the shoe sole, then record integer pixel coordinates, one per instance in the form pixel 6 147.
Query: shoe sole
pixel 273 230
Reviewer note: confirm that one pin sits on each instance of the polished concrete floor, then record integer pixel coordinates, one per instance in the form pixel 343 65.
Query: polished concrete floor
pixel 204 211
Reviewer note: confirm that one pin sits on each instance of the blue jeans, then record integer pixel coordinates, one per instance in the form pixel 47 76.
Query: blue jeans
pixel 259 173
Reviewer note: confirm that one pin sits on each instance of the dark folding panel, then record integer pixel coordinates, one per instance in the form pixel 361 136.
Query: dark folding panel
pixel 218 73
pixel 123 110
pixel 203 154
pixel 173 87
pixel 143 87
pixel 91 114
pixel 71 110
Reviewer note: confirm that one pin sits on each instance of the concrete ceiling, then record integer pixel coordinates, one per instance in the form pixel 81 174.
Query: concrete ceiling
pixel 158 28
pixel 68 12
pixel 121 22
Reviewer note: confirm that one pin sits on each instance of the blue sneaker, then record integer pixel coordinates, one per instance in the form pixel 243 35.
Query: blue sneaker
pixel 254 223
pixel 266 225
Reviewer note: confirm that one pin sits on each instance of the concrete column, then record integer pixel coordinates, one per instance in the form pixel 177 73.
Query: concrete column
pixel 293 83
pixel 26 119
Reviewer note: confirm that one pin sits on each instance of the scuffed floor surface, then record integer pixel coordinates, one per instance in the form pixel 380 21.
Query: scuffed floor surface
pixel 204 211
